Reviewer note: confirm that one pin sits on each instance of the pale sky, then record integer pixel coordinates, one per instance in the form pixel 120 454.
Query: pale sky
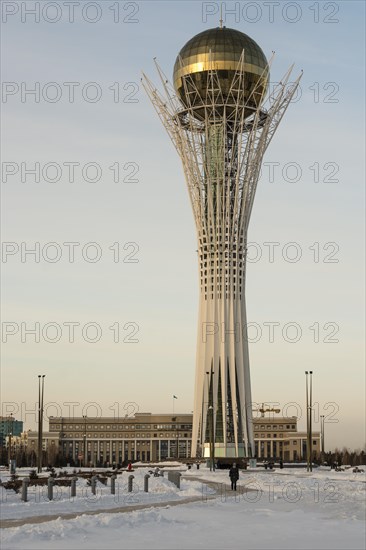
pixel 314 199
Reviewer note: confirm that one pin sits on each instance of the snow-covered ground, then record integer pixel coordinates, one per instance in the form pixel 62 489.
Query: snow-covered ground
pixel 160 489
pixel 284 509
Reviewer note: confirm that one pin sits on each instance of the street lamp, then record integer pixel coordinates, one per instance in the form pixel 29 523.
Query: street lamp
pixel 322 434
pixel 309 405
pixel 40 420
pixel 311 420
pixel 210 416
pixel 85 462
pixel 212 443
pixel 10 433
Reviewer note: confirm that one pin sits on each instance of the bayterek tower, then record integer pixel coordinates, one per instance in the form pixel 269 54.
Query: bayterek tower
pixel 221 113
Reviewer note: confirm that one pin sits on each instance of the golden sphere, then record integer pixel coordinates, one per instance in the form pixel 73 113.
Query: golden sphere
pixel 220 49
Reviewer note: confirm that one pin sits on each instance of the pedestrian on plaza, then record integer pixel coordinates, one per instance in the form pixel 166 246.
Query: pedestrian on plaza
pixel 234 476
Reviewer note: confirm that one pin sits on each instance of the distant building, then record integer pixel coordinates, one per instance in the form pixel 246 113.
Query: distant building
pixel 152 437
pixel 9 426
pixel 278 437
pixel 145 437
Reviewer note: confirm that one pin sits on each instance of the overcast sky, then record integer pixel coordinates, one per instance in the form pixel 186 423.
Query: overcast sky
pixel 88 114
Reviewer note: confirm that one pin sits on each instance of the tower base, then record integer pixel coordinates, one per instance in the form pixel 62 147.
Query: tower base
pixel 224 451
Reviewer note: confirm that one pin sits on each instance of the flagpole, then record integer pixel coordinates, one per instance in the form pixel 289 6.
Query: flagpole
pixel 174 397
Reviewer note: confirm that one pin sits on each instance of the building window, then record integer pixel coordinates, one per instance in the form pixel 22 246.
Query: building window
pixel 293 426
pixel 294 442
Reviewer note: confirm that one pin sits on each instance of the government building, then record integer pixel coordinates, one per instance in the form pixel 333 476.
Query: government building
pixel 149 437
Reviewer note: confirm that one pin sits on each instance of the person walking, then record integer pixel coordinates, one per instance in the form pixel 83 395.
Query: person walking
pixel 234 476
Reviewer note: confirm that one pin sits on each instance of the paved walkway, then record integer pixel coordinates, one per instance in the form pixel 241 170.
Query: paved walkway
pixel 219 488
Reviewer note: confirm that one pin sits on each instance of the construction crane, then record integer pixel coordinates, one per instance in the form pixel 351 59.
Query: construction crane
pixel 262 410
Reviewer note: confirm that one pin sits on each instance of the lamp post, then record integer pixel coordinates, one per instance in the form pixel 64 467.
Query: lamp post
pixel 85 461
pixel 10 433
pixel 212 443
pixel 40 420
pixel 307 422
pixel 210 418
pixel 309 406
pixel 322 434
pixel 210 410
pixel 311 421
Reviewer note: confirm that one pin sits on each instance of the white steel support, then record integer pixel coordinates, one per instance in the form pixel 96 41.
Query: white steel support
pixel 221 153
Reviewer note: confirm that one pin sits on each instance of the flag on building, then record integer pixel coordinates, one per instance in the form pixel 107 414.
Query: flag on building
pixel 175 397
